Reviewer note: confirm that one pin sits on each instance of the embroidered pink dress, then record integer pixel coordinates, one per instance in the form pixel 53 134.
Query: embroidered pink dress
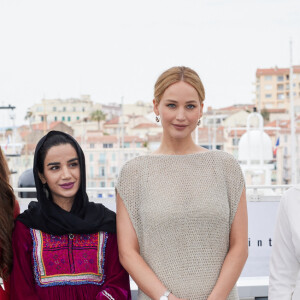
pixel 74 266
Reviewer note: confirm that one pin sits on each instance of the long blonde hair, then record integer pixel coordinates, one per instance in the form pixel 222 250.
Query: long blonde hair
pixel 174 75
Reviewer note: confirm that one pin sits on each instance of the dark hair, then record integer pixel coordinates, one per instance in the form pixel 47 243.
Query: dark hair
pixel 7 203
pixel 53 140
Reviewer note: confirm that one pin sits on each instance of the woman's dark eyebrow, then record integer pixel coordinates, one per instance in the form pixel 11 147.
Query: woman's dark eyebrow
pixel 53 164
pixel 192 101
pixel 58 163
pixel 73 159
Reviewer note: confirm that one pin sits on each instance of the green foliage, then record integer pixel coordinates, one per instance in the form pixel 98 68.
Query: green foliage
pixel 98 115
pixel 265 114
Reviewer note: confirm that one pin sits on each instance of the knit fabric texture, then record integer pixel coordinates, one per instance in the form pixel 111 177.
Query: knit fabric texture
pixel 182 208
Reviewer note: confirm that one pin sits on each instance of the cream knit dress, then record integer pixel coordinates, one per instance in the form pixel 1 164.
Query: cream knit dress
pixel 182 208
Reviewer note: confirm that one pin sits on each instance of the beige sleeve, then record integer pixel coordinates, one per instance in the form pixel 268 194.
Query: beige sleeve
pixel 235 183
pixel 128 188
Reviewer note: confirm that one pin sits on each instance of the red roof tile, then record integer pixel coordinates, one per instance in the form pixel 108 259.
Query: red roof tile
pixel 113 121
pixel 42 126
pixel 276 71
pixel 146 125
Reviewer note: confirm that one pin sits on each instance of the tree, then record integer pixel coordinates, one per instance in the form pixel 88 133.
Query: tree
pixel 265 114
pixel 28 117
pixel 98 115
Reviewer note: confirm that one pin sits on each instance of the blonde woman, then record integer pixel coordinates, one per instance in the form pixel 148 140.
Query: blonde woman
pixel 181 211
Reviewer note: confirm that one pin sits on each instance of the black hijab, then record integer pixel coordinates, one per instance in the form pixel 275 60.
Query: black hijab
pixel 84 217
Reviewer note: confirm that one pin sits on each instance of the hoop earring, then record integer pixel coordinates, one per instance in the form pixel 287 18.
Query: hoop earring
pixel 199 122
pixel 157 119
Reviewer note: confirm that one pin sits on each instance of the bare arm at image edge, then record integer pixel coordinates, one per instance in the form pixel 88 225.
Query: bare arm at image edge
pixel 284 266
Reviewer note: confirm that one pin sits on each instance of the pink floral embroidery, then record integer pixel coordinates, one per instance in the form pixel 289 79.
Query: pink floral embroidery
pixel 68 259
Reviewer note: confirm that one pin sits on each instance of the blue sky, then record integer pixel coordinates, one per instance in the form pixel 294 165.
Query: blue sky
pixel 110 49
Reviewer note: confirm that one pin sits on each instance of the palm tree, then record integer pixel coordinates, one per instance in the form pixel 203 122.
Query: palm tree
pixel 98 115
pixel 29 117
pixel 265 114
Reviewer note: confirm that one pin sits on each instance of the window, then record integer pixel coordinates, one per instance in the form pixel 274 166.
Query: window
pixel 39 108
pixel 268 77
pixel 102 184
pixel 112 184
pixel 63 118
pixel 55 118
pixel 69 118
pixel 77 118
pixel 280 96
pixel 83 109
pixel 91 157
pixel 268 87
pixel 92 145
pixel 91 172
pixel 127 145
pixel 54 108
pixel 280 78
pixel 42 118
pixel 64 108
pixel 280 87
pixel 101 171
pixel 268 95
pixel 102 158
pixel 107 145
pixel 113 157
pixel 113 170
pixel 235 141
pixel 138 145
pixel 287 86
pixel 74 108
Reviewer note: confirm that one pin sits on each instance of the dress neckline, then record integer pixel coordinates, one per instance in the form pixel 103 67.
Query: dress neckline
pixel 181 155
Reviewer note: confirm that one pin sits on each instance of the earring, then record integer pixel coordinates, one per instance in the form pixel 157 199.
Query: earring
pixel 157 119
pixel 199 122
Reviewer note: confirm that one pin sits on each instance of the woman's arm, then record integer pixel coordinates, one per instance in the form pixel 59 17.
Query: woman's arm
pixel 131 259
pixel 116 284
pixel 237 254
pixel 284 266
pixel 22 280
